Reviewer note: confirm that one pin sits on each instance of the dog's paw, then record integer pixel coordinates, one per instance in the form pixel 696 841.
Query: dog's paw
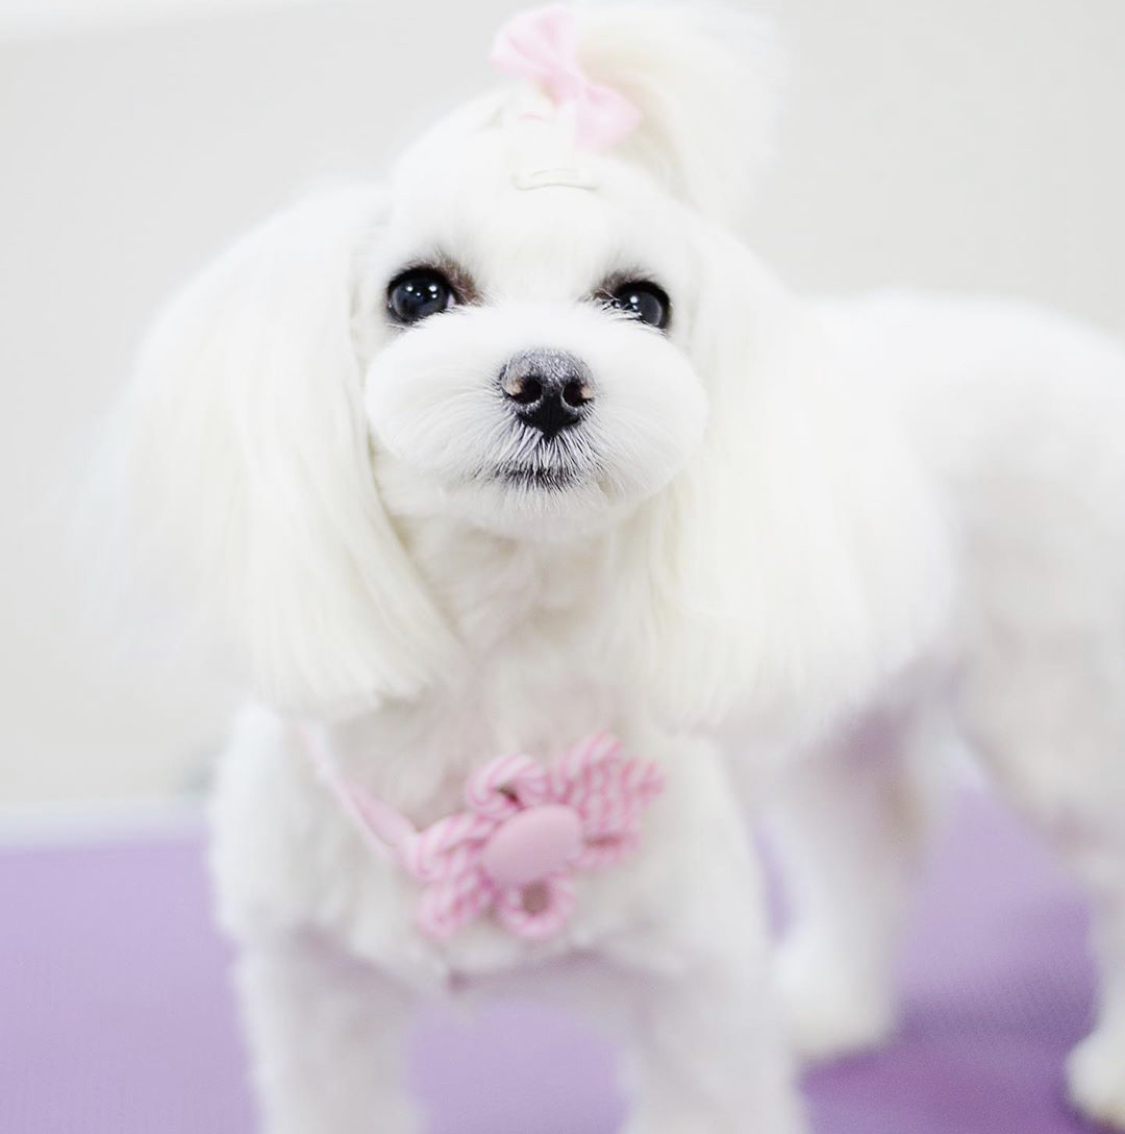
pixel 1095 1075
pixel 829 1011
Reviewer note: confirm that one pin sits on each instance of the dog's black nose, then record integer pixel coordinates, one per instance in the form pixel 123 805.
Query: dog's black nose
pixel 550 390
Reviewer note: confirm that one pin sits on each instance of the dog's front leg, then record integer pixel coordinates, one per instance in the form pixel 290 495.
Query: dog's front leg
pixel 703 1053
pixel 327 1040
pixel 690 996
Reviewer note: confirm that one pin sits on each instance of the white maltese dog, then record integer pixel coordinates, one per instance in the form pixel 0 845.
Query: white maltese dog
pixel 501 481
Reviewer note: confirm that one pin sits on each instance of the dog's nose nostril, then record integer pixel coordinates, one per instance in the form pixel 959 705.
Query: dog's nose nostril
pixel 576 394
pixel 523 391
pixel 551 390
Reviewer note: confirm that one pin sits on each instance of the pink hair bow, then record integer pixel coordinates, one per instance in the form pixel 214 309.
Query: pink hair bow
pixel 526 828
pixel 542 45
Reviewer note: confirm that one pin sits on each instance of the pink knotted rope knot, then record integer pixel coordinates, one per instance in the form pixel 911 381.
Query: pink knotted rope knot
pixel 542 45
pixel 526 829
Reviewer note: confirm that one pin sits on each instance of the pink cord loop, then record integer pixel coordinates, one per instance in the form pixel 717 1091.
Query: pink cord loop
pixel 542 45
pixel 504 786
pixel 539 912
pixel 448 905
pixel 447 848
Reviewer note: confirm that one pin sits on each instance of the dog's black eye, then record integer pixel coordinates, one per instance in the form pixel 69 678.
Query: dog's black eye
pixel 645 301
pixel 419 293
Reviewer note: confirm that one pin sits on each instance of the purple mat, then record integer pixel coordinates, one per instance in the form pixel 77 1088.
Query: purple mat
pixel 115 1017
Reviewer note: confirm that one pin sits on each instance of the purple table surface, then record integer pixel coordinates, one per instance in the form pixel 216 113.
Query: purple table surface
pixel 115 1017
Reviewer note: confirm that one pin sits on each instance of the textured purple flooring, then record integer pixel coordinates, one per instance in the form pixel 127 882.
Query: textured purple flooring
pixel 115 1018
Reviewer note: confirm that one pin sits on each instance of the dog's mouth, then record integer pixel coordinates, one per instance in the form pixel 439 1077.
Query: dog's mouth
pixel 549 478
pixel 527 462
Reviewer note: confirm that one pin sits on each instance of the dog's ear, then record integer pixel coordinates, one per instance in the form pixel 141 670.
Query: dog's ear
pixel 242 463
pixel 705 77
pixel 801 558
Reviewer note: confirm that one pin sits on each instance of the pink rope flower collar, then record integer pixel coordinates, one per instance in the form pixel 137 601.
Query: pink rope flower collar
pixel 527 828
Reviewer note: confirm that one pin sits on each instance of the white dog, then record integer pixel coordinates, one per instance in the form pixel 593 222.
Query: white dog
pixel 525 447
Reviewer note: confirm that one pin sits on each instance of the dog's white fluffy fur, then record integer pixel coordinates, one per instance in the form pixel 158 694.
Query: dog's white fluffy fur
pixel 843 529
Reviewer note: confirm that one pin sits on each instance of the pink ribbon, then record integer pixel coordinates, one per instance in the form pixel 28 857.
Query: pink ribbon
pixel 542 46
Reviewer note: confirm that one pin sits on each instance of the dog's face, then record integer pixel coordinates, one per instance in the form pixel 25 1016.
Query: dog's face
pixel 525 369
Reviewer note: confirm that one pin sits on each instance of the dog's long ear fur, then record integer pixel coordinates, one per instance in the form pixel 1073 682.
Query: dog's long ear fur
pixel 802 557
pixel 242 462
pixel 706 78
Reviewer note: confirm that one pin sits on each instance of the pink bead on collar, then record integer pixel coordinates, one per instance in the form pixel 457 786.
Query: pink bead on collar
pixel 525 831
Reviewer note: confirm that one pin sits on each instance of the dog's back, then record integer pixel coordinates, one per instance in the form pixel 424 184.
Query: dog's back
pixel 1015 412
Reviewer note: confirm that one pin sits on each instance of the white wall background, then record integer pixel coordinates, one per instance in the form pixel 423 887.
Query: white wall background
pixel 947 143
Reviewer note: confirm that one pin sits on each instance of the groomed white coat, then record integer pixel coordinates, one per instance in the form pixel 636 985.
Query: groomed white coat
pixel 843 530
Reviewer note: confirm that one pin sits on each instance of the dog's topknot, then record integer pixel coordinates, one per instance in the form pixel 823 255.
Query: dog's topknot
pixel 706 77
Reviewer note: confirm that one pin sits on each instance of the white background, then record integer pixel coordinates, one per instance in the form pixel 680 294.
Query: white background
pixel 945 143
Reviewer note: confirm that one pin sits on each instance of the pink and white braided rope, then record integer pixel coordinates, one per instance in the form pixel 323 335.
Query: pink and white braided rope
pixel 526 829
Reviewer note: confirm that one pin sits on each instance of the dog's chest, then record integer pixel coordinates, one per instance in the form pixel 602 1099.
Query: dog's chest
pixel 536 674
pixel 535 702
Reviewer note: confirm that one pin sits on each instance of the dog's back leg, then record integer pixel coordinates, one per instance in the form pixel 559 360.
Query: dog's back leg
pixel 1047 717
pixel 849 824
pixel 1096 1068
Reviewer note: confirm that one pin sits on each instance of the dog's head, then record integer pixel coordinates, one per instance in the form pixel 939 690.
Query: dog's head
pixel 526 306
pixel 537 328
